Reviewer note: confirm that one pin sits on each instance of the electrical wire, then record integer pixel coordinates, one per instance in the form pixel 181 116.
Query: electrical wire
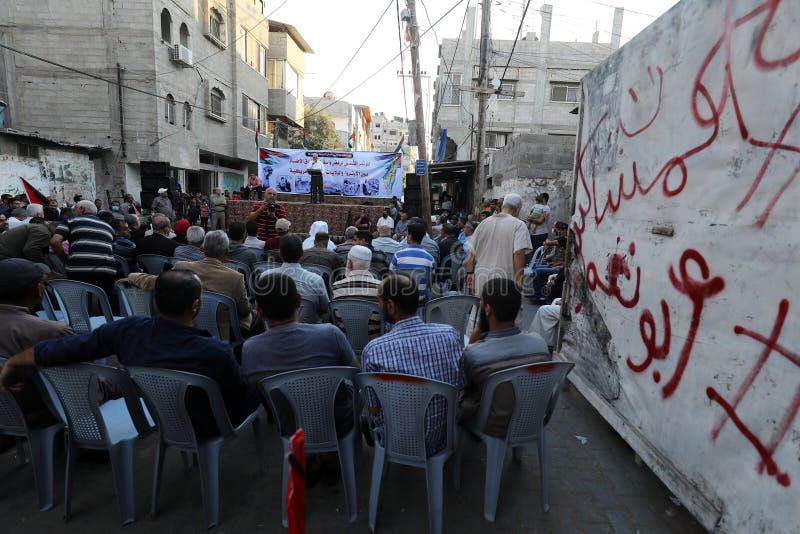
pixel 402 64
pixel 516 39
pixel 449 73
pixel 344 69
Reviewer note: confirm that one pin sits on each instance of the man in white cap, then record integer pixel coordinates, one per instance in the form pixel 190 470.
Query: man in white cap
pixel 162 204
pixel 281 229
pixel 358 282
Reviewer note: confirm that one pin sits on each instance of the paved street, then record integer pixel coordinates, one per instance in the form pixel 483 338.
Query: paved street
pixel 596 487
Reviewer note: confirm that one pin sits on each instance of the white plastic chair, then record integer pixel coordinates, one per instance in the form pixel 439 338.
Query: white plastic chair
pixel 458 311
pixel 153 263
pixel 73 299
pixel 355 313
pixel 114 426
pixel 165 393
pixel 133 300
pixel 206 318
pixel 536 389
pixel 311 393
pixel 403 401
pixel 529 272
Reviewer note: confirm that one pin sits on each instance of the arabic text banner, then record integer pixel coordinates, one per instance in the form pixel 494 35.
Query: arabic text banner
pixel 351 174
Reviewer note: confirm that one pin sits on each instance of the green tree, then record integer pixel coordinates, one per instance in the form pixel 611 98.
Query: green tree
pixel 320 133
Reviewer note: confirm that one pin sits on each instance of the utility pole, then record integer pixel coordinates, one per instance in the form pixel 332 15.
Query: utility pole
pixel 483 83
pixel 422 144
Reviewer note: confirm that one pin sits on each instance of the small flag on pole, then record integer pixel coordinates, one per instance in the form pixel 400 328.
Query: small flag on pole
pixel 399 147
pixel 33 194
pixel 351 142
pixel 304 139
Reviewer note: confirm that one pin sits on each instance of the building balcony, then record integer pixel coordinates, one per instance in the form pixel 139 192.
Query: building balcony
pixel 282 104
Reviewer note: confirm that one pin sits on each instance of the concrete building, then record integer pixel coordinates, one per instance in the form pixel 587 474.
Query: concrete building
pixel 386 134
pixel 193 91
pixel 547 72
pixel 286 67
pixel 349 120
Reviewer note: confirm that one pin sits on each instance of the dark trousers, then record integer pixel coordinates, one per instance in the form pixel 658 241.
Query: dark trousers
pixel 317 196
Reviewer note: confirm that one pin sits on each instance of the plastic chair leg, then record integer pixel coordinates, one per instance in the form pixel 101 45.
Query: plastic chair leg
pixel 434 473
pixel 258 435
pixel 348 467
pixel 208 459
pixel 41 443
pixel 378 463
pixel 23 459
pixel 72 454
pixel 122 468
pixel 495 454
pixel 161 451
pixel 543 472
pixel 284 482
pixel 457 460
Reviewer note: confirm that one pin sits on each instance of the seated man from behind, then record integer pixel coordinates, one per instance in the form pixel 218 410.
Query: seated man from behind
pixel 384 241
pixel 252 240
pixel 359 283
pixel 347 244
pixel 497 344
pixel 21 290
pixel 414 256
pixel 319 254
pixel 29 241
pixel 168 341
pixel 193 249
pixel 310 285
pixel 238 251
pixel 273 242
pixel 415 348
pixel 158 242
pixel 379 262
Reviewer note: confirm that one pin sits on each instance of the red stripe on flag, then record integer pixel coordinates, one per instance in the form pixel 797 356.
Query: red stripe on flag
pixel 33 194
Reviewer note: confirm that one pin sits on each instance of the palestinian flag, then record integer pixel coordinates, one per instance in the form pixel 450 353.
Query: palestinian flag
pixel 33 194
pixel 399 147
pixel 351 142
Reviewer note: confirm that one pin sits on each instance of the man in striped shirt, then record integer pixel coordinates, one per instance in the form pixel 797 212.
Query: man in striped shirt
pixel 415 257
pixel 359 284
pixel 266 214
pixel 415 348
pixel 91 247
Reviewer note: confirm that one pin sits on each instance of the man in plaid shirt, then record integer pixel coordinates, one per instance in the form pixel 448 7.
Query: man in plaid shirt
pixel 415 348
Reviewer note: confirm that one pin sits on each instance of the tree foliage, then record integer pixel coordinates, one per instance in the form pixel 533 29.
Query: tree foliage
pixel 320 133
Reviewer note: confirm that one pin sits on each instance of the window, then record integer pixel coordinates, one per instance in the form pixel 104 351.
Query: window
pixel 187 116
pixel 169 109
pixel 275 73
pixel 262 61
pixel 496 140
pixel 216 26
pixel 377 126
pixel 166 26
pixel 452 92
pixel 506 87
pixel 25 150
pixel 263 7
pixel 262 118
pixel 392 132
pixel 243 43
pixel 217 98
pixel 249 112
pixel 184 35
pixel 565 92
pixel 292 81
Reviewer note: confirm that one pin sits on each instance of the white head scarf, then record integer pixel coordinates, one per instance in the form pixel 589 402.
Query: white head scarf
pixel 317 227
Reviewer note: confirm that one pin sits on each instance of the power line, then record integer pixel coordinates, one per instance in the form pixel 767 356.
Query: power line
pixel 368 78
pixel 354 54
pixel 449 73
pixel 402 64
pixel 516 39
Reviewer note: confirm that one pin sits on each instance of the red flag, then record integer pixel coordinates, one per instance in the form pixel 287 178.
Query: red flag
pixel 33 194
pixel 408 32
pixel 296 486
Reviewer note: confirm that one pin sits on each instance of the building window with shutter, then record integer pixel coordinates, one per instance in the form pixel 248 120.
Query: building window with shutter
pixel 217 98
pixel 452 91
pixel 250 109
pixel 262 61
pixel 496 140
pixel 166 26
pixel 169 110
pixel 187 116
pixel 184 35
pixel 565 92
pixel 216 26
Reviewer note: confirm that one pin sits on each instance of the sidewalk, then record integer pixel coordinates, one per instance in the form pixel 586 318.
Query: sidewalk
pixel 594 487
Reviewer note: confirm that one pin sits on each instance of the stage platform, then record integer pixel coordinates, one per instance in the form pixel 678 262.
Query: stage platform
pixel 303 214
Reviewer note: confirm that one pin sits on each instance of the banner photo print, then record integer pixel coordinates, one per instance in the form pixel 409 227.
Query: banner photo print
pixel 350 174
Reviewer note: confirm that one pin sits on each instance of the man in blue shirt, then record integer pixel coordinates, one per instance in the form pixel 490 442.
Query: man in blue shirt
pixel 168 341
pixel 414 256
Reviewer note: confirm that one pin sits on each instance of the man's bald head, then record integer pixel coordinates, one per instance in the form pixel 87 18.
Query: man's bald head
pixel 270 194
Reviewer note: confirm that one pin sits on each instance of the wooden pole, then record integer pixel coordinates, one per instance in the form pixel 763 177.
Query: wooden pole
pixel 422 143
pixel 483 83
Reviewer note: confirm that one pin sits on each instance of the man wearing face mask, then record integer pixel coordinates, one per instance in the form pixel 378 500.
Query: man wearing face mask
pixel 116 211
pixel 497 344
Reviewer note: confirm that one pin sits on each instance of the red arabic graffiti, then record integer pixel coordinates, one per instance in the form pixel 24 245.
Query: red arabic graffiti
pixel 698 292
pixel 771 346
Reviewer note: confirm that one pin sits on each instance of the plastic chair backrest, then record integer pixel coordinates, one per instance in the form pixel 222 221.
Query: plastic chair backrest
pixel 122 265
pixel 404 400
pixel 536 390
pixel 134 300
pixel 355 313
pixel 308 311
pixel 76 387
pixel 265 265
pixel 207 316
pixel 536 259
pixel 418 275
pixel 73 300
pixel 12 421
pixel 153 263
pixel 47 304
pixel 165 393
pixel 242 268
pixel 455 310
pixel 311 394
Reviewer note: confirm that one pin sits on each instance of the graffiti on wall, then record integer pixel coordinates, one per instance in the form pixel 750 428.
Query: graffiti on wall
pixel 57 173
pixel 706 143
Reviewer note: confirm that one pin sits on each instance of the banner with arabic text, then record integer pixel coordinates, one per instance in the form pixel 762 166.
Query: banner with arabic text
pixel 350 174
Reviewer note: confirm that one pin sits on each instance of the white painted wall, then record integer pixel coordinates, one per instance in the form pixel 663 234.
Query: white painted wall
pixel 690 345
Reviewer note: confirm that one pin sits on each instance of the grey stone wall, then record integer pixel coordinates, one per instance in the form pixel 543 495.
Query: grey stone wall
pixel 532 164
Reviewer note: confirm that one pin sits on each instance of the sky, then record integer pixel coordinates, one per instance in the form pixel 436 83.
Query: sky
pixel 335 30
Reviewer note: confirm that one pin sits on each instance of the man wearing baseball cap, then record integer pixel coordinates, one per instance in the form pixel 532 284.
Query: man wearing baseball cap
pixel 281 229
pixel 162 204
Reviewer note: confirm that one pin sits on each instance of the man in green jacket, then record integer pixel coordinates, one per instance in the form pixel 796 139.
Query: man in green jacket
pixel 29 241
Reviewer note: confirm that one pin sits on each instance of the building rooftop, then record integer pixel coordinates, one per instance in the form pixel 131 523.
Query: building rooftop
pixel 275 26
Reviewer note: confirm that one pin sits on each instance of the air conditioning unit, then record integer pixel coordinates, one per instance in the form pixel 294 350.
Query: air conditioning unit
pixel 182 55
